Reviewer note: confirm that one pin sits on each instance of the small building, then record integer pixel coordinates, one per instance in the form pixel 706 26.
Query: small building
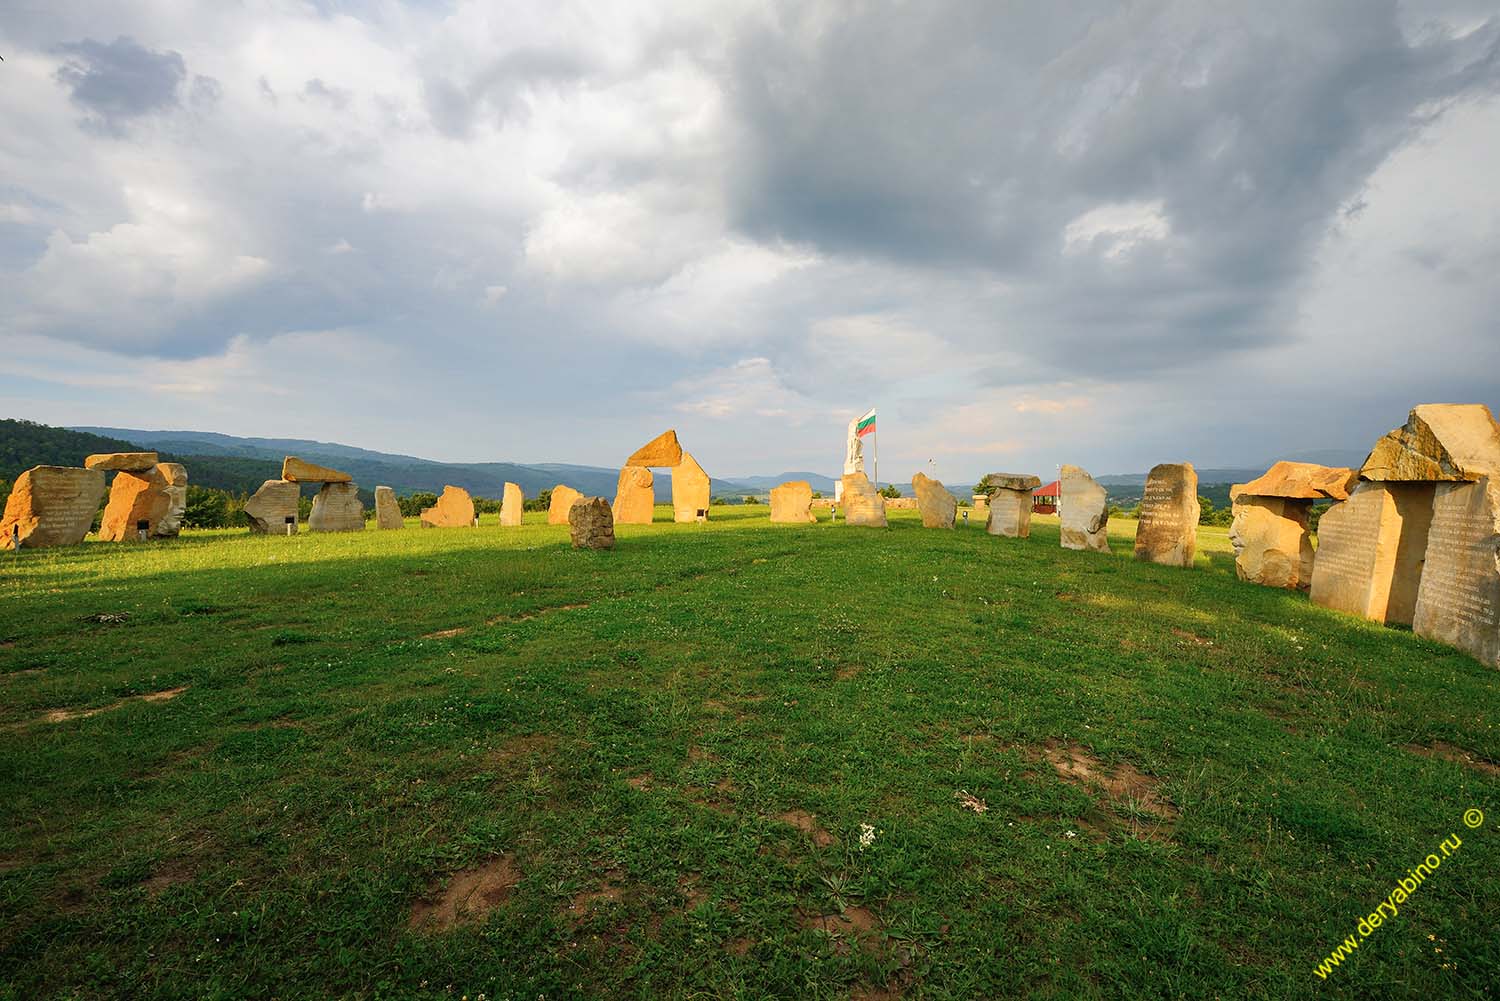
pixel 1044 498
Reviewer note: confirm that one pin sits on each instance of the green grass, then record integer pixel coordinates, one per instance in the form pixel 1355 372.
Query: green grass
pixel 623 730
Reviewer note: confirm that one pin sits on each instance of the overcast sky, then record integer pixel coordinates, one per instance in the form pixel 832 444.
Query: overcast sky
pixel 1029 233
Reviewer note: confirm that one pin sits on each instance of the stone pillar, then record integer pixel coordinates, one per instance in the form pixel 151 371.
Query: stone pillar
pixel 1168 529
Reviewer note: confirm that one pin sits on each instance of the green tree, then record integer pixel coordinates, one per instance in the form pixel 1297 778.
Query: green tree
pixel 413 505
pixel 751 499
pixel 206 508
pixel 541 502
pixel 4 493
pixel 890 490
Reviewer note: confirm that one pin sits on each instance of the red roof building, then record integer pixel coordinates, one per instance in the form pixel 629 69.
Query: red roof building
pixel 1044 498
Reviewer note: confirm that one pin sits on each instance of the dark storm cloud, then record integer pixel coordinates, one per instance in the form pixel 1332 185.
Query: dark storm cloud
pixel 966 137
pixel 120 81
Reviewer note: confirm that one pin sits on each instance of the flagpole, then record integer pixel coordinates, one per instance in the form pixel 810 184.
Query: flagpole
pixel 877 453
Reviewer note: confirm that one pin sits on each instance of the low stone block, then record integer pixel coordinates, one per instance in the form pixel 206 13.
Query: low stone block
pixel 337 508
pixel 1271 540
pixel 863 505
pixel 51 506
pixel 563 497
pixel 791 503
pixel 591 523
pixel 454 509
pixel 270 508
pixel 134 499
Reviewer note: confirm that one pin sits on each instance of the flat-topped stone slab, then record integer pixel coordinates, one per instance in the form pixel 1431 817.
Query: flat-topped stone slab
pixel 130 462
pixel 1006 501
pixel 295 470
pixel 1302 481
pixel 1439 442
pixel 663 450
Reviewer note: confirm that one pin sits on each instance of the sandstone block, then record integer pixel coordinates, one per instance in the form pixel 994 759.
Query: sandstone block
pixel 387 510
pixel 1271 540
pixel 1009 481
pixel 454 509
pixel 170 525
pixel 1458 600
pixel 135 498
pixel 691 490
pixel 863 505
pixel 1168 530
pixel 1007 503
pixel 51 506
pixel 130 462
pixel 1302 480
pixel 1371 548
pixel 337 508
pixel 512 506
pixel 938 506
pixel 791 503
pixel 295 470
pixel 271 506
pixel 663 450
pixel 1440 441
pixel 1083 509
pixel 635 498
pixel 562 500
pixel 591 523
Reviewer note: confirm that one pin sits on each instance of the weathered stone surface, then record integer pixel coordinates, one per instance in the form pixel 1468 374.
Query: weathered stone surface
pixel 562 501
pixel 1272 544
pixel 271 506
pixel 170 525
pixel 454 509
pixel 512 506
pixel 337 508
pixel 1008 513
pixel 663 450
pixel 51 506
pixel 1371 548
pixel 298 471
pixel 1009 481
pixel 691 490
pixel 791 503
pixel 635 497
pixel 1440 441
pixel 136 498
pixel 1302 480
pixel 1083 509
pixel 863 505
pixel 1168 529
pixel 938 506
pixel 130 462
pixel 981 503
pixel 387 510
pixel 1458 601
pixel 591 523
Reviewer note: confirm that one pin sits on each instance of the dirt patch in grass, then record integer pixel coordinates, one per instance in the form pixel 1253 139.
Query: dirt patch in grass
pixel 852 925
pixel 64 715
pixel 808 824
pixel 1450 752
pixel 693 894
pixel 174 873
pixel 846 671
pixel 443 634
pixel 1192 638
pixel 516 748
pixel 468 896
pixel 612 891
pixel 640 782
pixel 538 613
pixel 738 946
pixel 1122 786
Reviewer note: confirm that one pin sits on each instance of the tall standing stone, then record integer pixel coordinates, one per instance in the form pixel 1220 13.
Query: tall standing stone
pixel 635 498
pixel 863 505
pixel 663 450
pixel 1458 601
pixel 454 509
pixel 273 508
pixel 388 510
pixel 51 506
pixel 937 506
pixel 591 524
pixel 295 470
pixel 1008 500
pixel 170 524
pixel 1168 530
pixel 134 499
pixel 1270 534
pixel 691 490
pixel 563 497
pixel 512 506
pixel 337 508
pixel 791 503
pixel 1370 551
pixel 1083 511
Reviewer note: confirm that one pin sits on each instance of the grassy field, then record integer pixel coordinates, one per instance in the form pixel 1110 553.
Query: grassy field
pixel 733 760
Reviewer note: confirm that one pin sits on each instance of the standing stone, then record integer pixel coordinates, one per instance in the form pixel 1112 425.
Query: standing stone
pixel 562 501
pixel 791 503
pixel 337 508
pixel 272 505
pixel 52 506
pixel 387 510
pixel 512 506
pixel 1270 535
pixel 1458 601
pixel 863 505
pixel 1168 530
pixel 591 524
pixel 1371 548
pixel 937 505
pixel 295 470
pixel 635 500
pixel 981 504
pixel 1439 442
pixel 130 462
pixel 454 509
pixel 134 498
pixel 663 450
pixel 691 489
pixel 170 525
pixel 1083 511
pixel 1008 499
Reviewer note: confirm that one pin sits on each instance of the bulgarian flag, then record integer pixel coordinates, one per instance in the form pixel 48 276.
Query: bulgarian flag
pixel 865 425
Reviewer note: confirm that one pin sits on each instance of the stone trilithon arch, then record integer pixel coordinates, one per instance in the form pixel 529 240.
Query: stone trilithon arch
pixel 635 497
